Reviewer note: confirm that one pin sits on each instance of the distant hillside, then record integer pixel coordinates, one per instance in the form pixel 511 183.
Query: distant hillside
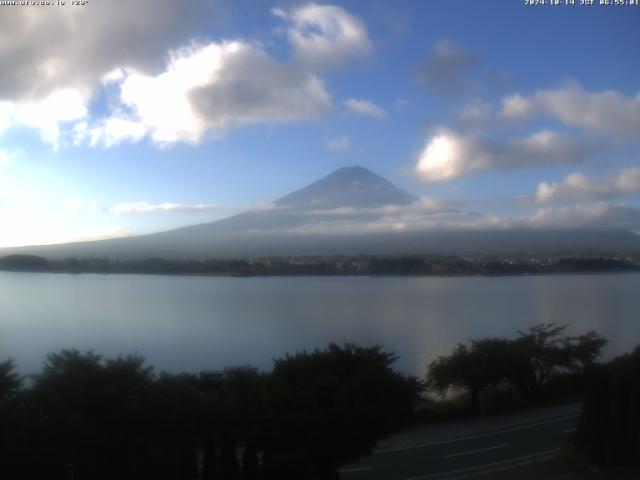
pixel 304 223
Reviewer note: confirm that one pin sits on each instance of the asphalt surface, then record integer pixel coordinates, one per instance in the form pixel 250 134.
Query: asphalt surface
pixel 467 456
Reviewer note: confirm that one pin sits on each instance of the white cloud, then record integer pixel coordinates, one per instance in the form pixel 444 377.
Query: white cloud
pixel 113 130
pixel 410 223
pixel 607 112
pixel 210 87
pixel 447 70
pixel 145 207
pixel 516 105
pixel 423 205
pixel 365 107
pixel 49 49
pixel 585 215
pixel 251 87
pixel 478 116
pixel 47 114
pixel 448 155
pixel 53 59
pixel 325 36
pixel 425 214
pixel 206 87
pixel 6 115
pixel 114 76
pixel 438 214
pixel 337 144
pixel 107 233
pixel 4 157
pixel 578 187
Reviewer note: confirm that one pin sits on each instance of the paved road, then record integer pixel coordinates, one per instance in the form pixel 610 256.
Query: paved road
pixel 469 455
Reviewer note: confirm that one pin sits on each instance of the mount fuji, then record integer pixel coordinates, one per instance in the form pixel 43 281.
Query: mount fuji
pixel 349 212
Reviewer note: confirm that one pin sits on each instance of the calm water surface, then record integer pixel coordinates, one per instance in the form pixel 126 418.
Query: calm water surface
pixel 194 323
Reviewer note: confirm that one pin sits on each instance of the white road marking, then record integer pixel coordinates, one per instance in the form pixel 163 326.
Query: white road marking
pixel 451 455
pixel 355 469
pixel 481 435
pixel 569 430
pixel 544 455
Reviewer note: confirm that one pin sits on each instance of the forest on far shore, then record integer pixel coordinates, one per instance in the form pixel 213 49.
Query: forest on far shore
pixel 329 265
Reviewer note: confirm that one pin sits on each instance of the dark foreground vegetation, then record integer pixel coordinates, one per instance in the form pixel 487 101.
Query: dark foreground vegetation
pixel 609 428
pixel 85 417
pixel 540 365
pixel 543 365
pixel 329 265
pixel 88 417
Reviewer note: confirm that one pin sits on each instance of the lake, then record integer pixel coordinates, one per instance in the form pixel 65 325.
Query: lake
pixel 182 323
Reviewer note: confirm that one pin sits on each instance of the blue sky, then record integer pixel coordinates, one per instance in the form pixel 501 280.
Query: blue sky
pixel 126 121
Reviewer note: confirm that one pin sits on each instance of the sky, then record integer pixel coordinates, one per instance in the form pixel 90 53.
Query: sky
pixel 125 118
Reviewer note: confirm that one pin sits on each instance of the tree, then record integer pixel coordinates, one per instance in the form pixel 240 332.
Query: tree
pixel 250 466
pixel 490 362
pixel 329 407
pixel 174 422
pixel 10 381
pixel 92 413
pixel 88 417
pixel 229 468
pixel 609 427
pixel 210 470
pixel 549 353
pixel 526 364
pixel 20 262
pixel 11 431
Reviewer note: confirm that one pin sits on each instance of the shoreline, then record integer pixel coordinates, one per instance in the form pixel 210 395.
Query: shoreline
pixel 333 266
pixel 321 275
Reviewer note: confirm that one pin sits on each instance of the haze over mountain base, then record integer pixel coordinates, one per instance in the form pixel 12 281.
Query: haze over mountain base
pixel 350 212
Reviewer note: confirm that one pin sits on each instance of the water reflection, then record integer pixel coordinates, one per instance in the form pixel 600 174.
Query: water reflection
pixel 194 323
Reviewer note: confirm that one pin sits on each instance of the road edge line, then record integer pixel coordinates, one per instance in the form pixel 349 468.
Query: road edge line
pixel 508 464
pixel 474 436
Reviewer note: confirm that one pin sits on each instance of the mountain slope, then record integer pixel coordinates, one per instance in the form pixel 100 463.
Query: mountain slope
pixel 351 211
pixel 354 187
